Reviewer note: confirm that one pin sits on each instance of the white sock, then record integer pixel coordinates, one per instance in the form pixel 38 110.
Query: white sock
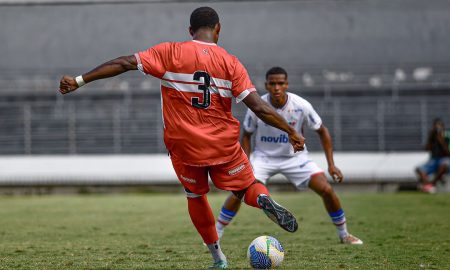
pixel 225 217
pixel 342 230
pixel 220 228
pixel 339 220
pixel 216 252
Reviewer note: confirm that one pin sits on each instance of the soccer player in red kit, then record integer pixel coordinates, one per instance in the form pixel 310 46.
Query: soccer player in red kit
pixel 198 81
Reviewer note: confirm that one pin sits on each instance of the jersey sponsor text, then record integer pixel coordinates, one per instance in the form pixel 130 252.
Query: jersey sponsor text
pixel 271 139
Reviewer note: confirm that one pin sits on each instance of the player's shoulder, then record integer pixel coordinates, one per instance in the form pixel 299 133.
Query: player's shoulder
pixel 298 100
pixel 228 57
pixel 177 44
pixel 163 47
pixel 224 52
pixel 165 44
pixel 220 54
pixel 265 97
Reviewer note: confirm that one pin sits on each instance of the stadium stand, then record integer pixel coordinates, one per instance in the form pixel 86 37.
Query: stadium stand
pixel 124 122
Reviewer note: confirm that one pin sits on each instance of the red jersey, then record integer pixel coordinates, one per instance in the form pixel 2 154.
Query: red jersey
pixel 198 82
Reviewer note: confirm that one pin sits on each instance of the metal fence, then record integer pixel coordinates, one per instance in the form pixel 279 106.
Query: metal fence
pixel 132 123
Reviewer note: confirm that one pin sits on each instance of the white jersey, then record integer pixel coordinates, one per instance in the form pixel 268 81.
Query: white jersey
pixel 272 142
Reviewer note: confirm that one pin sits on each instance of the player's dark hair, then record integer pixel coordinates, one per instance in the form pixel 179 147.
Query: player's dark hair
pixel 204 17
pixel 276 70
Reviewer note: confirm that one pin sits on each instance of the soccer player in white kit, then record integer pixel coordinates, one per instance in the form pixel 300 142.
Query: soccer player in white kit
pixel 273 154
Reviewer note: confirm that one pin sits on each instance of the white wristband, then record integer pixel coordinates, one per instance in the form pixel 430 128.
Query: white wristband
pixel 80 81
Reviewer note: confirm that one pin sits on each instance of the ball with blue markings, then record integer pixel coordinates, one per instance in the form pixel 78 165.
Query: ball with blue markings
pixel 265 252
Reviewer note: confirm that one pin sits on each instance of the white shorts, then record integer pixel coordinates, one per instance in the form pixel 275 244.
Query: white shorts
pixel 298 169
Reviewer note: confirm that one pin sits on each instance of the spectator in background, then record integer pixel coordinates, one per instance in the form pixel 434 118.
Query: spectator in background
pixel 438 164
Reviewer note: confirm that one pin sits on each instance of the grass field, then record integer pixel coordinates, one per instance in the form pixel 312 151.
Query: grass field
pixel 153 231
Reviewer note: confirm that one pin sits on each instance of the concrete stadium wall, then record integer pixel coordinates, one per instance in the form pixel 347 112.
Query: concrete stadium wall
pixel 261 34
pixel 368 167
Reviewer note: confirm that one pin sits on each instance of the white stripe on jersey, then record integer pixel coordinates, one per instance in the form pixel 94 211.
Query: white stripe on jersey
pixel 188 78
pixel 193 88
pixel 244 94
pixel 139 64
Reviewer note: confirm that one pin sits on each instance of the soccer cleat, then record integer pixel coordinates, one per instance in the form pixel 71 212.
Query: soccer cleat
pixel 277 213
pixel 219 265
pixel 351 240
pixel 428 188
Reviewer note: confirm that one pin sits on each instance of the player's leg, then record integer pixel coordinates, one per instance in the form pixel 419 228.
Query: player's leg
pixel 430 167
pixel 237 176
pixel 319 184
pixel 304 173
pixel 258 196
pixel 443 168
pixel 203 219
pixel 195 181
pixel 227 212
pixel 262 170
pixel 423 177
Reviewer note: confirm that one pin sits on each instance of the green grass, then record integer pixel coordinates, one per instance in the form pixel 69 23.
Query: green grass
pixel 153 231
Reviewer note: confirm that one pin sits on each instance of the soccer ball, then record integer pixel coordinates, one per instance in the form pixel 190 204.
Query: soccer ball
pixel 265 252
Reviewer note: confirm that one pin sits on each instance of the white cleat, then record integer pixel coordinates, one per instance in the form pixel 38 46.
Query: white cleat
pixel 428 188
pixel 351 240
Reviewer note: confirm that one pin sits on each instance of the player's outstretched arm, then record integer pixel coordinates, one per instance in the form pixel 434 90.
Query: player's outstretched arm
pixel 327 146
pixel 109 69
pixel 271 117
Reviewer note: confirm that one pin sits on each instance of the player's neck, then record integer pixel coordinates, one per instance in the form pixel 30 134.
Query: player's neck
pixel 278 102
pixel 204 36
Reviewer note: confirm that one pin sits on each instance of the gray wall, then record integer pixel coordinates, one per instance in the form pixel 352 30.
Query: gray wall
pixel 319 33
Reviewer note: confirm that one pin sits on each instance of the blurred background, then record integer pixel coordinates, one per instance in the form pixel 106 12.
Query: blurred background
pixel 377 72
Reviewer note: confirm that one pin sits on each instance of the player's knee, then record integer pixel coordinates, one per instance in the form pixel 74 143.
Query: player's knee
pixel 327 191
pixel 233 198
pixel 232 203
pixel 240 193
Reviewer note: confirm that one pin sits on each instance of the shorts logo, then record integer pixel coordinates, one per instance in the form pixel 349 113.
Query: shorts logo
pixel 236 170
pixel 189 180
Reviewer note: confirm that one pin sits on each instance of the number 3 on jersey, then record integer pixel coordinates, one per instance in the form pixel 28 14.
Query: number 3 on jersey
pixel 205 88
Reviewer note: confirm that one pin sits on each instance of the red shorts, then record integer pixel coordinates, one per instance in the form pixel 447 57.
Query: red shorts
pixel 233 176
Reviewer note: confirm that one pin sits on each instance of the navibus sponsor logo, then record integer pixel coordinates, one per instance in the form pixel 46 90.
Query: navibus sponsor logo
pixel 189 180
pixel 271 139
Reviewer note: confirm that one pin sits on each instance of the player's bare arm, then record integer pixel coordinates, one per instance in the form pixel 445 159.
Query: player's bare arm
pixel 246 143
pixel 327 146
pixel 271 117
pixel 109 69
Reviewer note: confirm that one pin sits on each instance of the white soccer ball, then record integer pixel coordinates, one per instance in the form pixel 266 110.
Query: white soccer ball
pixel 265 252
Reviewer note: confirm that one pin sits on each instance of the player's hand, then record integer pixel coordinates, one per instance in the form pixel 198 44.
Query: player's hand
pixel 67 84
pixel 297 141
pixel 336 174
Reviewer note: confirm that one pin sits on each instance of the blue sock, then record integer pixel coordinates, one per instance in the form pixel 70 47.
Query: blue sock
pixel 223 220
pixel 338 218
